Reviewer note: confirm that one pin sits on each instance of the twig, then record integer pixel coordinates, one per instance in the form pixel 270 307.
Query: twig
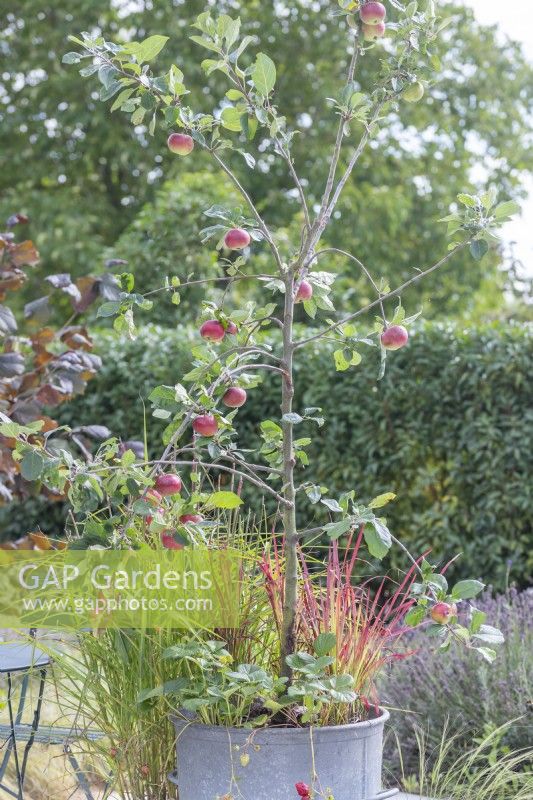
pixel 393 293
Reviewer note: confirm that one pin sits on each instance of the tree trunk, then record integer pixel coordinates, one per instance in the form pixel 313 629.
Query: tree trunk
pixel 289 512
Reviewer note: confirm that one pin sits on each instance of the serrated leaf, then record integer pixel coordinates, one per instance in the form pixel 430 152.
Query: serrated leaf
pixel 324 644
pixel 264 74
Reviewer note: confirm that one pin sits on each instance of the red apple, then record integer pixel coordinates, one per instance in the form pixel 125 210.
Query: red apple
pixel 305 292
pixel 168 541
pixel 237 239
pixel 394 338
pixel 191 519
pixel 373 32
pixel 372 13
pixel 205 425
pixel 235 397
pixel 180 143
pixel 168 484
pixel 212 330
pixel 231 328
pixel 442 613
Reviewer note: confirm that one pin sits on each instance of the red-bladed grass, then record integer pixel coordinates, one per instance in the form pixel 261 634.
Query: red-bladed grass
pixel 365 614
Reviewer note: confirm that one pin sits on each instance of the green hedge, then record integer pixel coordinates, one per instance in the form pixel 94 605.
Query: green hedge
pixel 449 429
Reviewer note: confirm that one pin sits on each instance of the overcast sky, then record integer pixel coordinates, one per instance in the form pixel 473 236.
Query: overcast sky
pixel 515 20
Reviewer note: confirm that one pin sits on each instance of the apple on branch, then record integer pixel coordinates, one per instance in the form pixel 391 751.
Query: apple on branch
pixel 372 13
pixel 180 143
pixel 373 32
pixel 213 330
pixel 235 397
pixel 442 613
pixel 205 425
pixel 305 292
pixel 394 338
pixel 237 239
pixel 168 484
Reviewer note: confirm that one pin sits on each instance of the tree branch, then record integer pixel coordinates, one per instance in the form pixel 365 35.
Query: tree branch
pixel 393 293
pixel 262 225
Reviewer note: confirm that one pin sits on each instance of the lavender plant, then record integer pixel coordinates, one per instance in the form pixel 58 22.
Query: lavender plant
pixel 454 690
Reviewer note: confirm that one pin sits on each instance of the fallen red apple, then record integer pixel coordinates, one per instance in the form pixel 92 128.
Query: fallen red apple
pixel 180 143
pixel 394 338
pixel 168 484
pixel 191 519
pixel 237 239
pixel 305 292
pixel 231 328
pixel 442 613
pixel 373 32
pixel 372 13
pixel 168 541
pixel 213 330
pixel 414 92
pixel 235 397
pixel 205 425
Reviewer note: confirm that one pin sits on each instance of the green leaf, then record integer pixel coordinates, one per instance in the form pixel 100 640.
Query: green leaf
pixel 415 616
pixel 264 74
pixel 324 644
pixel 382 500
pixel 293 418
pixel 108 309
pixel 468 200
pixel 336 529
pixel 478 618
pixel 71 58
pixel 231 119
pixel 377 538
pixel 506 209
pixel 31 465
pixel 487 653
pixel 489 635
pixel 147 49
pixel 478 248
pixel 224 500
pixel 465 590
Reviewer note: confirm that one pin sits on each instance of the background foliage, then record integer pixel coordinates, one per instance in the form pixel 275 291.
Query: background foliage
pixel 449 429
pixel 83 174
